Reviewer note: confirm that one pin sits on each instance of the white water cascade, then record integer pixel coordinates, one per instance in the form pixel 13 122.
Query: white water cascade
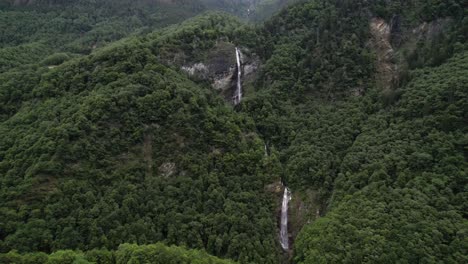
pixel 284 238
pixel 238 95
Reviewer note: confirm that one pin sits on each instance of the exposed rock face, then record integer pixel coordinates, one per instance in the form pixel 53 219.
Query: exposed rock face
pixel 390 38
pixel 220 80
pixel 220 68
pixel 198 69
pixel 387 70
pixel 396 31
pixel 276 188
pixel 223 82
pixel 429 31
pixel 167 169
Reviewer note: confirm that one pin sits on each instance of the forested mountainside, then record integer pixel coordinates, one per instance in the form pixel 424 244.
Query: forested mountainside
pixel 384 161
pixel 115 148
pixel 111 148
pixel 53 31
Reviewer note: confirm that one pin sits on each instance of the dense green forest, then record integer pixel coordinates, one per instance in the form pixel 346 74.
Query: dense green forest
pixel 111 153
pixel 126 253
pixel 389 165
pixel 120 148
pixel 32 30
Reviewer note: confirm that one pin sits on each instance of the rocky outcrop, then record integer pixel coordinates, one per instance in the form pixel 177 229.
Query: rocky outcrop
pixel 167 169
pixel 220 69
pixel 430 30
pixel 275 188
pixel 395 45
pixel 387 70
pixel 197 69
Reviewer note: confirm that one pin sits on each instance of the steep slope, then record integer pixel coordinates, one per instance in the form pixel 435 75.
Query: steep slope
pixel 323 83
pixel 33 30
pixel 115 147
pixel 400 194
pixel 359 107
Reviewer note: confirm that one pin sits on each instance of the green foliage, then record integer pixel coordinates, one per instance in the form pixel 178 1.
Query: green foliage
pixel 67 257
pixel 116 147
pixel 119 147
pixel 32 32
pixel 190 41
pixel 29 258
pixel 388 165
pixel 55 59
pixel 82 26
pixel 14 57
pixel 401 190
pixel 159 253
pixel 317 48
pixel 321 48
pixel 253 10
pixel 126 253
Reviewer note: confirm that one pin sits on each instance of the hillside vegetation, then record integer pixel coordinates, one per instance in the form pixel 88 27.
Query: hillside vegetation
pixel 115 148
pixel 33 30
pixel 126 253
pixel 389 166
pixel 111 153
pixel 399 192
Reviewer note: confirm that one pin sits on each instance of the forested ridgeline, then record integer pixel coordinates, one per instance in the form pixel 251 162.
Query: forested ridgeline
pixel 32 30
pixel 172 46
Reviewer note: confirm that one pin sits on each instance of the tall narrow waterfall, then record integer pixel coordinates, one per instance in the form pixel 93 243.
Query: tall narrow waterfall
pixel 238 94
pixel 284 238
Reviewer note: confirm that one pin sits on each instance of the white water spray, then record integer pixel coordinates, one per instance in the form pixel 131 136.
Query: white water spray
pixel 284 238
pixel 238 95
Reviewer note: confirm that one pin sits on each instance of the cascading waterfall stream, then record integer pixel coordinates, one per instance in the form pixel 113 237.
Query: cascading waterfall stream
pixel 238 94
pixel 284 238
